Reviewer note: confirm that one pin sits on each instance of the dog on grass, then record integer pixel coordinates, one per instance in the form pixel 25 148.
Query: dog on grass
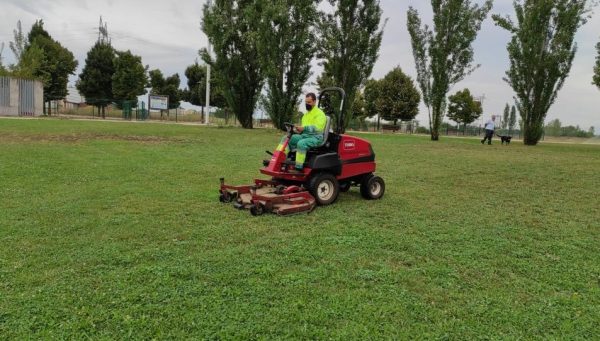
pixel 505 138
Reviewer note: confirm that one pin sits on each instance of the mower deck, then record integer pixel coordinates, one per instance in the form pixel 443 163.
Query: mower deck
pixel 268 197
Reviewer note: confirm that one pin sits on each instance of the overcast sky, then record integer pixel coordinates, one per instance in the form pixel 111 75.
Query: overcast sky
pixel 167 35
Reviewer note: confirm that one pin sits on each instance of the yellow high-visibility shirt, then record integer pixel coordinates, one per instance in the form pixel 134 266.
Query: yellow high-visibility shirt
pixel 314 122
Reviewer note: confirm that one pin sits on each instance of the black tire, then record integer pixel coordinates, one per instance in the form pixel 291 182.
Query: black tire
pixel 372 187
pixel 345 186
pixel 257 210
pixel 225 197
pixel 324 187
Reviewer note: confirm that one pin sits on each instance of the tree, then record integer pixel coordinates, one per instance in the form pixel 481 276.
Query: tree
pixel 130 77
pixel 157 82
pixel 358 107
pixel 359 112
pixel 541 53
pixel 506 116
pixel 196 85
pixel 512 121
pixel 19 44
pixel 444 56
pixel 463 108
pixel 521 125
pixel 233 27
pixel 597 68
pixel 31 65
pixel 56 65
pixel 371 93
pixel 397 97
pixel 351 38
pixel 95 81
pixel 195 93
pixel 553 128
pixel 166 87
pixel 172 90
pixel 287 46
pixel 30 59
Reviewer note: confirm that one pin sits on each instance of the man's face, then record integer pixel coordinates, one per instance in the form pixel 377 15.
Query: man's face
pixel 493 118
pixel 310 101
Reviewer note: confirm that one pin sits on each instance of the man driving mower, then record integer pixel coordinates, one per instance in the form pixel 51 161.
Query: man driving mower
pixel 309 135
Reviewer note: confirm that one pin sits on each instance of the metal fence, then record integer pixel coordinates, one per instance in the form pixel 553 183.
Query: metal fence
pixel 132 110
pixel 26 97
pixel 413 127
pixel 4 92
pixel 20 97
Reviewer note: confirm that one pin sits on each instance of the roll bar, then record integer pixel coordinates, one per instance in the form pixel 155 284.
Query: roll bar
pixel 340 120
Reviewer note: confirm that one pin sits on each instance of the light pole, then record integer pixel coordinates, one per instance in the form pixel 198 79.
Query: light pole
pixel 207 116
pixel 199 96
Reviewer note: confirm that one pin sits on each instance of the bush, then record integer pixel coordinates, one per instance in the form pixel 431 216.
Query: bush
pixel 422 130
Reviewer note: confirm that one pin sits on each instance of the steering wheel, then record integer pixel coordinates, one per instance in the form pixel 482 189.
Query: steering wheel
pixel 289 127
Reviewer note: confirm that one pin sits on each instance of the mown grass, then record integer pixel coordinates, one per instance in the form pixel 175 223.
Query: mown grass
pixel 113 230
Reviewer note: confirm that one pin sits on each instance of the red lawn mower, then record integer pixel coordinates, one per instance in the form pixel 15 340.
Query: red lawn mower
pixel 341 162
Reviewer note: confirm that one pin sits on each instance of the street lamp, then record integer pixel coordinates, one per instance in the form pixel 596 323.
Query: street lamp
pixel 208 50
pixel 199 96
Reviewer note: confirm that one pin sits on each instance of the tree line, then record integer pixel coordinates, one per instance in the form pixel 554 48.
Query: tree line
pixel 267 46
pixel 555 128
pixel 270 44
pixel 108 77
pixel 274 41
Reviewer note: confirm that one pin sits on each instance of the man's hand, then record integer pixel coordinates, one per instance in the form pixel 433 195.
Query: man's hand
pixel 299 129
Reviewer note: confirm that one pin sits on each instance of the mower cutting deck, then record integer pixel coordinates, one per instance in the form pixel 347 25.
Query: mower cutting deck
pixel 268 197
pixel 342 161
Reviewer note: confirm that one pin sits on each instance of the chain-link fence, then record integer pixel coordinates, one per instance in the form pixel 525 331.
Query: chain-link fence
pixel 413 127
pixel 133 110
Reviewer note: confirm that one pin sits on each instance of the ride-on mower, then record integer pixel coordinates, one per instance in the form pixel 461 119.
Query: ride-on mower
pixel 340 162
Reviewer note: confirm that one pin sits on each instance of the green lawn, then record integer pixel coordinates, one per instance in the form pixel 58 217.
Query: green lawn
pixel 114 231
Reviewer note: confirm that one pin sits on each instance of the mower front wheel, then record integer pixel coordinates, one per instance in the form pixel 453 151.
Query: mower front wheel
pixel 225 197
pixel 372 187
pixel 324 187
pixel 257 210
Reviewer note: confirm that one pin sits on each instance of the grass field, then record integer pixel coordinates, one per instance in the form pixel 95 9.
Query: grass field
pixel 113 231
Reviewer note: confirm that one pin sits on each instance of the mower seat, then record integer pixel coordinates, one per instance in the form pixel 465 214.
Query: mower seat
pixel 326 132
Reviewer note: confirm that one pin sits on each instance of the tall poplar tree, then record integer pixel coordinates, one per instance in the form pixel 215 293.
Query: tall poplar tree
pixel 444 56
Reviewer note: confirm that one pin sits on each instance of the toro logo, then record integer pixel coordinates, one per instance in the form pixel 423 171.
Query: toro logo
pixel 349 145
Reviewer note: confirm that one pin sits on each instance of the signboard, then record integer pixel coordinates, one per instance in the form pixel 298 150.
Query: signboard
pixel 156 102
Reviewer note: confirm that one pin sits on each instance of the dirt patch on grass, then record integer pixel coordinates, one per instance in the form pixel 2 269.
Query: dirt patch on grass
pixel 82 137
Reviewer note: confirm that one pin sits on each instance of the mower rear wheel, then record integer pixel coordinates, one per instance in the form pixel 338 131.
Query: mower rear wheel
pixel 372 187
pixel 324 187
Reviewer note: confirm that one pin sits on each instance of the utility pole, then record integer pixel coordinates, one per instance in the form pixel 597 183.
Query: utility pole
pixel 202 107
pixel 209 48
pixel 480 99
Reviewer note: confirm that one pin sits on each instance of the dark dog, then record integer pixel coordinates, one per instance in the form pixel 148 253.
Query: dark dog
pixel 505 139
